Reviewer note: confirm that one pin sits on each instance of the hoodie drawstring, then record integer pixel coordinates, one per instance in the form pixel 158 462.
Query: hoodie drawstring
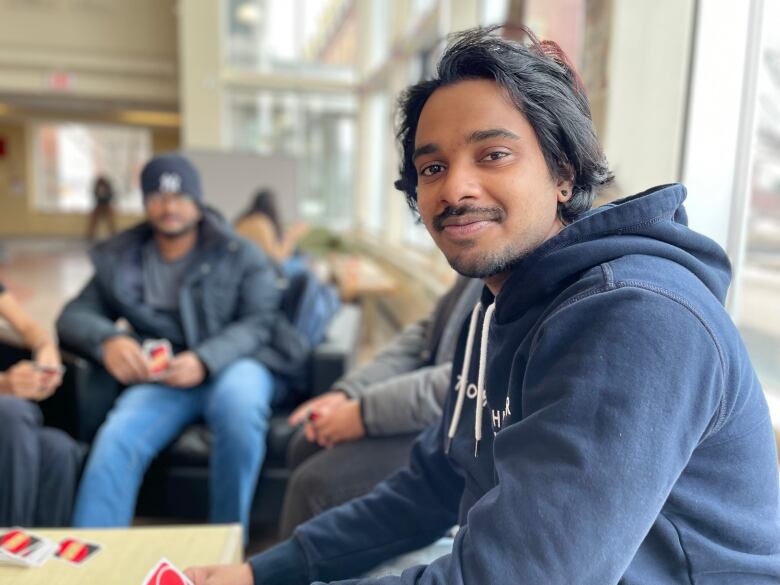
pixel 481 398
pixel 464 375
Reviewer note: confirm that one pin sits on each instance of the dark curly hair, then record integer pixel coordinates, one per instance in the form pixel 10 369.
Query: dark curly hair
pixel 544 86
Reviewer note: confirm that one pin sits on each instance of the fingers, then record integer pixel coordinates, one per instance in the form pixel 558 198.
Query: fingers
pixel 26 382
pixel 320 405
pixel 197 575
pixel 136 363
pixel 50 383
pixel 310 433
pixel 300 413
pixel 324 432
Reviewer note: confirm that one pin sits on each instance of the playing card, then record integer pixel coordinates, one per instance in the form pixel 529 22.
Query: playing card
pixel 75 551
pixel 17 542
pixel 19 547
pixel 164 573
pixel 159 354
pixel 49 370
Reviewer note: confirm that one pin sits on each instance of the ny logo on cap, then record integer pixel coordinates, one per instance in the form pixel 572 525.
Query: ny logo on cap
pixel 170 183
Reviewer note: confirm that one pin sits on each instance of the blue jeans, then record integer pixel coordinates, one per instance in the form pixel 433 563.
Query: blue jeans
pixel 236 405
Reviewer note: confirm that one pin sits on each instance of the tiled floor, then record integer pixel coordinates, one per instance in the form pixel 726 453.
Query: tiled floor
pixel 44 274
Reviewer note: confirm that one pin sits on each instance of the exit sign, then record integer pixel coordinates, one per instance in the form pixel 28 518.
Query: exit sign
pixel 61 81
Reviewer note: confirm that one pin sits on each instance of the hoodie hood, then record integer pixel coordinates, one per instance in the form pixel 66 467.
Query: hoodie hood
pixel 651 223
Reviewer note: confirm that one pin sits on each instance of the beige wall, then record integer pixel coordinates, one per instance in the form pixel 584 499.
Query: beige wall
pixel 121 63
pixel 649 60
pixel 18 216
pixel 111 49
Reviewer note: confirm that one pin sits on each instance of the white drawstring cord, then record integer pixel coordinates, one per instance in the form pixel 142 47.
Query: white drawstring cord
pixel 481 377
pixel 464 375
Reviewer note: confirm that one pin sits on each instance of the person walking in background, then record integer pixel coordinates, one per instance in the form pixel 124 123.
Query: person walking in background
pixel 103 210
pixel 184 277
pixel 39 466
pixel 261 224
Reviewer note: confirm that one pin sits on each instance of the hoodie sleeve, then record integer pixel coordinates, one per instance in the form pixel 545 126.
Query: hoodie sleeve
pixel 87 321
pixel 411 509
pixel 402 355
pixel 407 403
pixel 619 389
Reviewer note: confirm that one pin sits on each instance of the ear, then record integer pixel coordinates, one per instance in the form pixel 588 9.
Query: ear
pixel 565 189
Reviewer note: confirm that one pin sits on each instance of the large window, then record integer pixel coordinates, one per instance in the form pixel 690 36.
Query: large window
pixel 758 298
pixel 304 37
pixel 316 128
pixel 68 158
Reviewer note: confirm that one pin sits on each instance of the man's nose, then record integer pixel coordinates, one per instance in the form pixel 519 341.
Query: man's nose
pixel 461 184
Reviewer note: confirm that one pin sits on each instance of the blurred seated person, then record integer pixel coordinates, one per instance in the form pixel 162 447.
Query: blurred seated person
pixel 184 277
pixel 39 465
pixel 369 420
pixel 261 224
pixel 103 210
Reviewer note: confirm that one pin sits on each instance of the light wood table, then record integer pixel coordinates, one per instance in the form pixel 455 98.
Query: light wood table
pixel 128 554
pixel 359 277
pixel 362 280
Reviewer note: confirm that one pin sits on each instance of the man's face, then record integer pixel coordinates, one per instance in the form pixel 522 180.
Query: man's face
pixel 483 189
pixel 172 214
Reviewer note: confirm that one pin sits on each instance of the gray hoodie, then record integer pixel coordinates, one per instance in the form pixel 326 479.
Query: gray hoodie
pixel 403 388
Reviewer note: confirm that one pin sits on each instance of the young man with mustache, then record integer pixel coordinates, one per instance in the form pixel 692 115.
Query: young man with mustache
pixel 605 424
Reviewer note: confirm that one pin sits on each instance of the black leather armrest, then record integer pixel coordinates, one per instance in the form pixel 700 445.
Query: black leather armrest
pixel 332 358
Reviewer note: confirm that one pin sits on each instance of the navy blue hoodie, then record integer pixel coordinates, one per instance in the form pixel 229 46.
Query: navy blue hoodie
pixel 618 433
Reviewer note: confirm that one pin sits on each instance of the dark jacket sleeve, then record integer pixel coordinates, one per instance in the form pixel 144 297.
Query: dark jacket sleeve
pixel 411 509
pixel 609 424
pixel 87 321
pixel 258 307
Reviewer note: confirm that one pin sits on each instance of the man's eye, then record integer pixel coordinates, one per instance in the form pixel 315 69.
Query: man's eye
pixel 496 155
pixel 431 170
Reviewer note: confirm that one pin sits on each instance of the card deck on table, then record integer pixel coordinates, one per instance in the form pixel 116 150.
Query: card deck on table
pixel 75 551
pixel 164 573
pixel 159 354
pixel 19 547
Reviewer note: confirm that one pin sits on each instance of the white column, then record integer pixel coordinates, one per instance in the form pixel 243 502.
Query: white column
pixel 200 61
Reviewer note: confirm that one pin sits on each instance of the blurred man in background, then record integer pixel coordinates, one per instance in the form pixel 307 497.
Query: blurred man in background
pixel 183 281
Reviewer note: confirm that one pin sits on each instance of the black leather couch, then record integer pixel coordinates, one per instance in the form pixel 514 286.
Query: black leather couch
pixel 176 485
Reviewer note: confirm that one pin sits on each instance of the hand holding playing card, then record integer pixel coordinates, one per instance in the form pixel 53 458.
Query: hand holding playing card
pixel 124 359
pixel 221 575
pixel 48 361
pixel 24 381
pixel 186 371
pixel 165 573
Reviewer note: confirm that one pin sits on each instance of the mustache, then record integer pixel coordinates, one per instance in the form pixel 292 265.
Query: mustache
pixel 467 214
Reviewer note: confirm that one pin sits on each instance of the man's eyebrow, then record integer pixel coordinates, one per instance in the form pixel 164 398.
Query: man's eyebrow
pixel 479 135
pixel 476 136
pixel 424 149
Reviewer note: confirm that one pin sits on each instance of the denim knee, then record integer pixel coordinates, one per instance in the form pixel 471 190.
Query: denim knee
pixel 242 393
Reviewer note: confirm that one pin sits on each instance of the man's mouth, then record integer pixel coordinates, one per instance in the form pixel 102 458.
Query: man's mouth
pixel 466 220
